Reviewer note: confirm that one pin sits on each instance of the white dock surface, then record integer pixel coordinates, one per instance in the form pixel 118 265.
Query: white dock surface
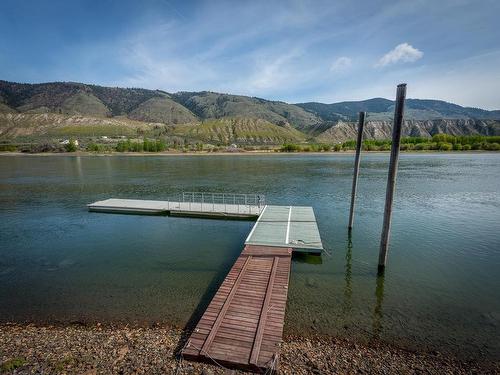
pixel 279 226
pixel 159 207
pixel 286 226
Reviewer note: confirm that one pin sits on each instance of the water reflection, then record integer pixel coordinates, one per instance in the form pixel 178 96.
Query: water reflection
pixel 78 165
pixel 120 258
pixel 378 313
pixel 347 306
pixel 307 258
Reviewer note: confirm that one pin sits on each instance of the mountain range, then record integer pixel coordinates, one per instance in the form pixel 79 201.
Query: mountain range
pixel 77 109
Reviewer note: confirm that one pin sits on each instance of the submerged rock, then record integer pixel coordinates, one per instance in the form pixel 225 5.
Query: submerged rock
pixel 311 283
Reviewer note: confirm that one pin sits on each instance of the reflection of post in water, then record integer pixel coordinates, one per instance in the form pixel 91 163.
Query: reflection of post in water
pixel 377 312
pixel 348 278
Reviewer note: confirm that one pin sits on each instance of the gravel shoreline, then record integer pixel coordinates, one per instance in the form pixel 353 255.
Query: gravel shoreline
pixel 96 349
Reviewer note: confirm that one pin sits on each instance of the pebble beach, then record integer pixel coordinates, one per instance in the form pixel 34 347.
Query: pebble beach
pixel 97 349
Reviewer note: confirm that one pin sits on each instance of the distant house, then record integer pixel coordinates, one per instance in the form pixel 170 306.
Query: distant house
pixel 67 141
pixel 233 148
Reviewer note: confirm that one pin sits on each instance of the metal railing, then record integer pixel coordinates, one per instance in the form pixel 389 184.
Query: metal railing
pixel 227 202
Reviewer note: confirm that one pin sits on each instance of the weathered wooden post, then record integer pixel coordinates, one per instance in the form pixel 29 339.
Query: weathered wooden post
pixel 391 178
pixel 361 124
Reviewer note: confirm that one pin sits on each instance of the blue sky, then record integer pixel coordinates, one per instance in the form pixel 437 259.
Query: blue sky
pixel 293 51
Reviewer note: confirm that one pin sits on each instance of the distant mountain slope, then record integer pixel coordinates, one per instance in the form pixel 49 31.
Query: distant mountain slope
pixel 25 126
pixel 383 109
pixel 270 121
pixel 374 129
pixel 346 110
pixel 46 125
pixel 162 109
pixel 4 108
pixel 214 105
pixel 238 130
pixel 76 98
pixel 84 103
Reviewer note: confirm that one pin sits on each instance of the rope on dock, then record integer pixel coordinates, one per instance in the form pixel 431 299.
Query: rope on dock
pixel 208 355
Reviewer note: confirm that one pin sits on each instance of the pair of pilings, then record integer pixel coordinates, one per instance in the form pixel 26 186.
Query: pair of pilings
pixel 391 178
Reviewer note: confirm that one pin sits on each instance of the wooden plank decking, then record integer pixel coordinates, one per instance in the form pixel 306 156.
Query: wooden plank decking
pixel 243 325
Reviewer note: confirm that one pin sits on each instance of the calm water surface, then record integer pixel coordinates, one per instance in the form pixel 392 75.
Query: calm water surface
pixel 441 290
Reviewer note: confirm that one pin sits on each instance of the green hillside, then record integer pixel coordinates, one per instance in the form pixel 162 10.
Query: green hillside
pixel 208 105
pixel 238 130
pixel 162 109
pixel 77 109
pixel 383 109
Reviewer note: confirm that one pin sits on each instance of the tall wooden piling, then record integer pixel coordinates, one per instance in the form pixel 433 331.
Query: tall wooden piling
pixel 391 178
pixel 361 124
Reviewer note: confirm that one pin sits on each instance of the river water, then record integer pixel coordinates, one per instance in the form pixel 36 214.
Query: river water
pixel 441 289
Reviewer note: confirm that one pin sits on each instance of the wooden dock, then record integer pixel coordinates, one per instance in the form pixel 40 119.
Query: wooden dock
pixel 243 325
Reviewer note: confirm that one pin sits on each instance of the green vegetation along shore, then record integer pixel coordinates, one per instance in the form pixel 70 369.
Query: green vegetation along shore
pixel 439 142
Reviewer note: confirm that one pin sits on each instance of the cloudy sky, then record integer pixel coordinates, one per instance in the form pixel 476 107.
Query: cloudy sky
pixel 293 51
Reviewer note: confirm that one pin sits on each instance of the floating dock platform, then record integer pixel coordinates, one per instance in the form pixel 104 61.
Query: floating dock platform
pixel 279 226
pixel 243 324
pixel 287 226
pixel 191 209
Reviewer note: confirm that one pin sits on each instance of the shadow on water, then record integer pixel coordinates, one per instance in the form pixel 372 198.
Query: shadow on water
pixel 347 305
pixel 214 285
pixel 378 313
pixel 307 258
pixel 205 300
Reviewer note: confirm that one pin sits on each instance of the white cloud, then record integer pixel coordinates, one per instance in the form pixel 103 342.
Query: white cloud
pixel 341 64
pixel 273 71
pixel 403 52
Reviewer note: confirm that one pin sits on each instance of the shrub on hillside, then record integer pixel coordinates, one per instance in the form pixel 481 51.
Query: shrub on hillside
pixel 444 146
pixel 421 146
pixel 8 148
pixel 290 147
pixel 492 146
pixel 71 146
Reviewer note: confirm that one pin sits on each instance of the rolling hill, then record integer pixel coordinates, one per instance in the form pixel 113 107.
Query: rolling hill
pixel 52 108
pixel 383 109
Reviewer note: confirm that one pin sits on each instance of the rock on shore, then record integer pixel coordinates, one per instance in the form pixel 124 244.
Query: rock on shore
pixel 96 349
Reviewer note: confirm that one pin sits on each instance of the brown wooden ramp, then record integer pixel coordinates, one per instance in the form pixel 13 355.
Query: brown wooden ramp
pixel 243 325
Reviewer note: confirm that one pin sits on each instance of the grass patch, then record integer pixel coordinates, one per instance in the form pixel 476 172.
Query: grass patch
pixel 238 130
pixel 12 364
pixel 313 147
pixel 8 148
pixel 64 363
pixel 94 130
pixel 146 145
pixel 100 148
